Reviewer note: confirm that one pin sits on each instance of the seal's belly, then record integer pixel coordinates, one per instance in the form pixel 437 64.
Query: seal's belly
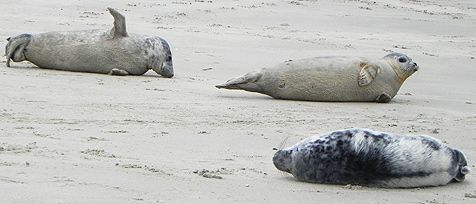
pixel 318 88
pixel 94 56
pixel 324 80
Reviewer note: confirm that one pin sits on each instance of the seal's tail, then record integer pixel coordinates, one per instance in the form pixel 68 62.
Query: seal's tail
pixel 15 47
pixel 246 82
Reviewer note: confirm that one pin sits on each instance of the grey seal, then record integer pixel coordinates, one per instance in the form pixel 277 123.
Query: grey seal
pixel 342 79
pixel 114 52
pixel 366 157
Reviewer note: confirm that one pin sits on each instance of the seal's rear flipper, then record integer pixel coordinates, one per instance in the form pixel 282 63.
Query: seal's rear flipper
pixel 119 29
pixel 15 47
pixel 245 82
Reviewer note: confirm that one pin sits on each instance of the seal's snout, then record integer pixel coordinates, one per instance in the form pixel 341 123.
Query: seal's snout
pixel 463 168
pixel 415 66
pixel 282 160
pixel 167 70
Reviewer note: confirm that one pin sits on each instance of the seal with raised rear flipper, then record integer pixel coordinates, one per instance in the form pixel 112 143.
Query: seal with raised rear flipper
pixel 344 79
pixel 113 52
pixel 372 158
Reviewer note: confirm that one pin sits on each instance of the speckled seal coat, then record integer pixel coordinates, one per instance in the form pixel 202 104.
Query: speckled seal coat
pixel 366 157
pixel 109 52
pixel 330 79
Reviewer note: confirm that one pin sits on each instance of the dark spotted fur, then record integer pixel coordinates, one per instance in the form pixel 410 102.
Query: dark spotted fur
pixel 333 158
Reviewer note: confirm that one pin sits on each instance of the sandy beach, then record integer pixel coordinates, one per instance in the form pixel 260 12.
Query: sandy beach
pixel 69 137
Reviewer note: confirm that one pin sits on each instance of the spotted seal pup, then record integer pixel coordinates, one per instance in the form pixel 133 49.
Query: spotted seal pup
pixel 113 52
pixel 330 79
pixel 372 158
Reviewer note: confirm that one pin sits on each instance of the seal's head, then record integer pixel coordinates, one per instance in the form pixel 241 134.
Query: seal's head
pixel 160 57
pixel 282 160
pixel 167 66
pixel 462 165
pixel 401 64
pixel 15 48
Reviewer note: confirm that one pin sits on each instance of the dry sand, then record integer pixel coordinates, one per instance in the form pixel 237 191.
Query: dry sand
pixel 70 137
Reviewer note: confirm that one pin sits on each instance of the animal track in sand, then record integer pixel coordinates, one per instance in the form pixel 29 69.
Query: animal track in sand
pixel 220 172
pixel 117 131
pixel 161 19
pixel 6 163
pixel 10 180
pixel 96 139
pixel 147 168
pixel 90 14
pixel 17 149
pixel 98 153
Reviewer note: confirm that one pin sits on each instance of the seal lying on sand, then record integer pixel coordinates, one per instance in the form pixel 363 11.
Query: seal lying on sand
pixel 366 157
pixel 110 52
pixel 330 79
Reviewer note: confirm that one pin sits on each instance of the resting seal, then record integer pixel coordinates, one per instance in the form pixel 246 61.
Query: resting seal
pixel 366 157
pixel 110 52
pixel 330 79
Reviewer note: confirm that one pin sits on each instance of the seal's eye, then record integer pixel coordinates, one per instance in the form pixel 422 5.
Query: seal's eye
pixel 402 60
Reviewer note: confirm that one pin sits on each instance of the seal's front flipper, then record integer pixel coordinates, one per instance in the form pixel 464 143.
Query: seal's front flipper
pixel 367 74
pixel 383 98
pixel 118 72
pixel 245 82
pixel 119 29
